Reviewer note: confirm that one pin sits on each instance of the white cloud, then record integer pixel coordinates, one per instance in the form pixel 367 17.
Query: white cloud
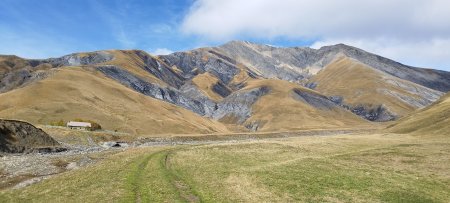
pixel 312 18
pixel 395 27
pixel 161 51
pixel 432 53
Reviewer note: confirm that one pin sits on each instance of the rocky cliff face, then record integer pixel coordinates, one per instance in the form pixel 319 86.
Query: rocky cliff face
pixel 237 107
pixel 197 62
pixel 193 101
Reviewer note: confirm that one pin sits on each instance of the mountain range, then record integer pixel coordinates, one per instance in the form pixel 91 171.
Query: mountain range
pixel 236 87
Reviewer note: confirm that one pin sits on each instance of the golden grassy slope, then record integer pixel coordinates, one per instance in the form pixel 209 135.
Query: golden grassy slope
pixel 9 62
pixel 206 82
pixel 279 111
pixel 432 120
pixel 361 84
pixel 74 92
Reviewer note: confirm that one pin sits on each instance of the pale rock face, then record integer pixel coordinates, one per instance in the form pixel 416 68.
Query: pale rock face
pixel 77 59
pixel 239 104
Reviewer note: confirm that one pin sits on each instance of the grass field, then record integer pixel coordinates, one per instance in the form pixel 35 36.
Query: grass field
pixel 342 168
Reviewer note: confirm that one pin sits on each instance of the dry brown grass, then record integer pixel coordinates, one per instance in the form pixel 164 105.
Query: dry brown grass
pixel 430 121
pixel 361 84
pixel 279 111
pixel 74 92
pixel 206 82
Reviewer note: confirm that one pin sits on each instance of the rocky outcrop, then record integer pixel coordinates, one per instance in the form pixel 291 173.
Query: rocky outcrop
pixel 20 137
pixel 168 94
pixel 422 96
pixel 21 77
pixel 197 62
pixel 17 72
pixel 377 113
pixel 271 62
pixel 237 107
pixel 159 70
pixel 91 58
pixel 315 100
pixel 221 89
pixel 192 91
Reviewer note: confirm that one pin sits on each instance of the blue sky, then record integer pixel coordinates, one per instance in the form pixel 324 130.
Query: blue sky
pixel 50 28
pixel 53 27
pixel 416 34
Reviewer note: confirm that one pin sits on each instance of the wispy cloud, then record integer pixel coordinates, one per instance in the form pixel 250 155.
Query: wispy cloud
pixel 114 18
pixel 161 51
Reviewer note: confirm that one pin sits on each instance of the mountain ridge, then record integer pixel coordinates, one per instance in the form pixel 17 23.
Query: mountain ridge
pixel 213 82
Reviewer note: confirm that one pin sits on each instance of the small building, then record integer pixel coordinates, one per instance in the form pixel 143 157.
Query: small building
pixel 79 125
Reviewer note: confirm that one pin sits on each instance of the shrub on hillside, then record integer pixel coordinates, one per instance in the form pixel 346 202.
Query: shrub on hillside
pixel 58 123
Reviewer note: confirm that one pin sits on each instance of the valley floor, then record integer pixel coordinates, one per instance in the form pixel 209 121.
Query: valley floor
pixel 358 167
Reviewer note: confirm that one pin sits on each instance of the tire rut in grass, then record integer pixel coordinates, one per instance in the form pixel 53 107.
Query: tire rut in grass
pixel 185 191
pixel 136 178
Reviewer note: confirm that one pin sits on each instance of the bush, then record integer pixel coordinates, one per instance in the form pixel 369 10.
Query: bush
pixel 95 126
pixel 58 123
